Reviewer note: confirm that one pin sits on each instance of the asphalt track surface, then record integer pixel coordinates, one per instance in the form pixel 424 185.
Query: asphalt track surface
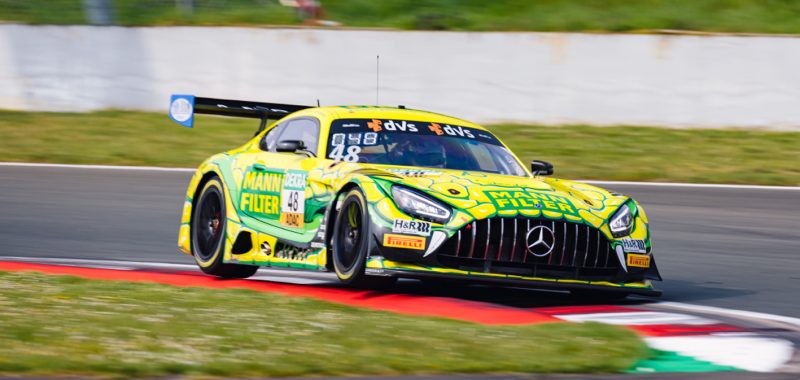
pixel 724 247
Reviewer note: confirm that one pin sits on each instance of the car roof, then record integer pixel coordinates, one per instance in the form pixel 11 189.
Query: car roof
pixel 381 112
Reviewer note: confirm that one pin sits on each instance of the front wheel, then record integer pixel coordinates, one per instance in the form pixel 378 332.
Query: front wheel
pixel 350 243
pixel 208 234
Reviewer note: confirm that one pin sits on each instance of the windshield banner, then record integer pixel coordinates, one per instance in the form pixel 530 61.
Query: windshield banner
pixel 349 136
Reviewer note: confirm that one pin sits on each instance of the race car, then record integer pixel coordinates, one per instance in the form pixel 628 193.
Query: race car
pixel 374 194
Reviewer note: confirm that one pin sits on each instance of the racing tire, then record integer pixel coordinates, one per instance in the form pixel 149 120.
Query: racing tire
pixel 208 234
pixel 350 244
pixel 598 295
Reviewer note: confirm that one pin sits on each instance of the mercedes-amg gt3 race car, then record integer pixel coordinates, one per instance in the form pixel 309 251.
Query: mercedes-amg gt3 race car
pixel 378 193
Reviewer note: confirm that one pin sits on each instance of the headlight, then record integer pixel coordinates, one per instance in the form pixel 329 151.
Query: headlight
pixel 420 206
pixel 622 222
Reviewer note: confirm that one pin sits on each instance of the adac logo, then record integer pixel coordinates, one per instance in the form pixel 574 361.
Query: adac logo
pixel 540 241
pixel 375 125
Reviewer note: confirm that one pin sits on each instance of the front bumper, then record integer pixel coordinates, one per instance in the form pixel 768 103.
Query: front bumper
pixel 494 250
pixel 379 266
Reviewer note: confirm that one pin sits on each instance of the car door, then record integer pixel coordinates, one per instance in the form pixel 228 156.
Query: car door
pixel 274 184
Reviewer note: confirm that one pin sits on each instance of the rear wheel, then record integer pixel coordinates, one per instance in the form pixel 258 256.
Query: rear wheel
pixel 350 243
pixel 208 234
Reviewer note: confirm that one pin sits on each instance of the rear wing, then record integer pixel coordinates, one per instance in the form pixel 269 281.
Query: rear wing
pixel 182 109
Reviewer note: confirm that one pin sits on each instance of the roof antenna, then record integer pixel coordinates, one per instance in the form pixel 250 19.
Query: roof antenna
pixel 377 80
pixel 318 102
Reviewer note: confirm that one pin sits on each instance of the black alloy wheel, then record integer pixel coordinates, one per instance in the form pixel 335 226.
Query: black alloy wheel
pixel 350 244
pixel 208 234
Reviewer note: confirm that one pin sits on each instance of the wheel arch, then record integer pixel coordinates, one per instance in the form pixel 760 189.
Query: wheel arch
pixel 330 219
pixel 204 178
pixel 207 176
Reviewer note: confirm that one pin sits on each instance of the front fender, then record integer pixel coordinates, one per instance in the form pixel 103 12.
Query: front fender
pixel 210 167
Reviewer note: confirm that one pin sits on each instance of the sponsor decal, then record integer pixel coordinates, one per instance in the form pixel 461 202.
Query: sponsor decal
pixel 354 138
pixel 413 227
pixel 401 126
pixel 436 128
pixel 370 138
pixel 357 138
pixel 337 139
pixel 340 135
pixel 404 241
pixel 639 261
pixel 291 253
pixel 528 199
pixel 293 199
pixel 415 173
pixel 634 245
pixel 458 131
pixel 181 108
pixel 375 125
pixel 261 192
pixel 450 130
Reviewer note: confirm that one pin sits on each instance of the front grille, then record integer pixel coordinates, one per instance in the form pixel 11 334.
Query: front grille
pixel 498 245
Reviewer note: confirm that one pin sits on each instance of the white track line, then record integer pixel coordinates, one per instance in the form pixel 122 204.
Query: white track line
pixel 752 315
pixel 742 350
pixel 99 167
pixel 97 262
pixel 745 351
pixel 594 182
pixel 264 273
pixel 638 318
pixel 696 185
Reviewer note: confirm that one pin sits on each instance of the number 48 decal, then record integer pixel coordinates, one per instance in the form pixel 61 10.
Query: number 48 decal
pixel 338 153
pixel 293 199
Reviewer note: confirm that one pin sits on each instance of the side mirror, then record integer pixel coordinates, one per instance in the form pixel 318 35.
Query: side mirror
pixel 290 146
pixel 541 167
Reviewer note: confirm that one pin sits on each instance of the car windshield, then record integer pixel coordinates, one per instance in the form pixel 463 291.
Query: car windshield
pixel 420 144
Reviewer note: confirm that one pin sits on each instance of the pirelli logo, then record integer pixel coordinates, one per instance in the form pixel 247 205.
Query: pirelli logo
pixel 639 261
pixel 404 241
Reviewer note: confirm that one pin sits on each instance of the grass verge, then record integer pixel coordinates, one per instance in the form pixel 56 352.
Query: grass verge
pixel 609 153
pixel 67 325
pixel 752 16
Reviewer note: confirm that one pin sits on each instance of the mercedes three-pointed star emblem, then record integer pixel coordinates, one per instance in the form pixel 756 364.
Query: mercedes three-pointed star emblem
pixel 540 241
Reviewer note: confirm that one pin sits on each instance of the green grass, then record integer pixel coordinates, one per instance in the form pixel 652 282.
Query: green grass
pixel 59 325
pixel 754 16
pixel 610 153
pixel 767 16
pixel 628 153
pixel 117 138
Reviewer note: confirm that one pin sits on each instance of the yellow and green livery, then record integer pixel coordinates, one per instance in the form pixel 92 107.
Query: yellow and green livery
pixel 379 193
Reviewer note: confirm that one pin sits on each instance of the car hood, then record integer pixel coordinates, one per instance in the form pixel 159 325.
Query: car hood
pixel 479 195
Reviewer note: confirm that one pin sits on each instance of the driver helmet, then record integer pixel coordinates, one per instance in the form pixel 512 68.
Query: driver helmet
pixel 420 150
